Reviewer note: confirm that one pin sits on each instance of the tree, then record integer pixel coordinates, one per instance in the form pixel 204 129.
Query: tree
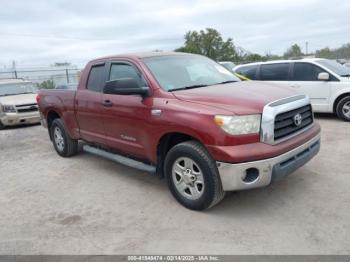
pixel 250 57
pixel 324 53
pixel 293 51
pixel 48 84
pixel 342 52
pixel 209 43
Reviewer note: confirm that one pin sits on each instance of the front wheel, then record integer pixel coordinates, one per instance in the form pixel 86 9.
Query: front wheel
pixel 64 145
pixel 192 176
pixel 343 109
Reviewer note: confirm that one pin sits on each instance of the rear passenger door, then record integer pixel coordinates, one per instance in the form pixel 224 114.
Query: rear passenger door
pixel 88 106
pixel 305 80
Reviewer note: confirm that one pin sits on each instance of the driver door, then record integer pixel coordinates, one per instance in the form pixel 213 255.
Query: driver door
pixel 126 117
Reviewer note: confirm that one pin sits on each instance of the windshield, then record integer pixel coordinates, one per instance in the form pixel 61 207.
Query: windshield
pixel 17 89
pixel 228 65
pixel 187 71
pixel 335 67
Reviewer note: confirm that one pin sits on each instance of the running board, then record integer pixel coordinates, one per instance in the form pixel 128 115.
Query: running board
pixel 120 159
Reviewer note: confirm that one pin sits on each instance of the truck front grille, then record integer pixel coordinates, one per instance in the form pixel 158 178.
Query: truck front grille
pixel 27 108
pixel 24 110
pixel 289 122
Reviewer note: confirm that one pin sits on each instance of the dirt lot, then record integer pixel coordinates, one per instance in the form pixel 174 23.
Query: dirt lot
pixel 88 205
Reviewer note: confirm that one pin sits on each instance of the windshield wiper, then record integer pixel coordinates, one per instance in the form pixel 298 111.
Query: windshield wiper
pixel 347 75
pixel 226 82
pixel 187 87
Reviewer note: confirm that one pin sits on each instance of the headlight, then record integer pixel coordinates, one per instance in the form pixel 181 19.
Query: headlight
pixel 8 109
pixel 239 125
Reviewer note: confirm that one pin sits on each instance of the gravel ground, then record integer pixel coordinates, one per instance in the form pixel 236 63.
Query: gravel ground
pixel 88 205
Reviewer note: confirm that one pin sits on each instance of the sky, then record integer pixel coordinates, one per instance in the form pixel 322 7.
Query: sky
pixel 36 32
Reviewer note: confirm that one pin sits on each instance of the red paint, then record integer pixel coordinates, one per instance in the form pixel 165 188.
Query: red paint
pixel 38 99
pixel 189 112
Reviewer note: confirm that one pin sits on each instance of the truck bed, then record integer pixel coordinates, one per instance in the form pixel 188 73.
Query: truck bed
pixel 62 101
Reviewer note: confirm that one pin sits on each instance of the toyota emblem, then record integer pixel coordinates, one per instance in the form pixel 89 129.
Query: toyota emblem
pixel 297 119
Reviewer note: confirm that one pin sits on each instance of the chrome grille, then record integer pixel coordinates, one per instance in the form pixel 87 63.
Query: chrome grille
pixel 24 108
pixel 286 124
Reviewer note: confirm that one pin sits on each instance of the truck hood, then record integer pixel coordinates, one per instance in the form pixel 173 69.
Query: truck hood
pixel 246 97
pixel 18 99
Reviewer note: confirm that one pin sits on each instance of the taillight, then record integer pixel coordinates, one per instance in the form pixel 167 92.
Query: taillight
pixel 38 98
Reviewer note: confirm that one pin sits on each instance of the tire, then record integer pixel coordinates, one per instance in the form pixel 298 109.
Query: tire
pixel 64 145
pixel 1 126
pixel 343 109
pixel 198 193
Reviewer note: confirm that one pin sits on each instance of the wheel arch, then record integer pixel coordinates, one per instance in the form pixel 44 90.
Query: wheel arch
pixel 336 101
pixel 166 142
pixel 51 115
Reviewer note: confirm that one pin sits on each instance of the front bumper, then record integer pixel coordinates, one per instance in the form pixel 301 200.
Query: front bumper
pixel 13 119
pixel 261 173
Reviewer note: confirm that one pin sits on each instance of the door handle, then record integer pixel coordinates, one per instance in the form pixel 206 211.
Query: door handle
pixel 294 85
pixel 107 103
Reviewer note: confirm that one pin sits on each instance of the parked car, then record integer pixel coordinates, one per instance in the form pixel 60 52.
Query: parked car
pixel 230 66
pixel 326 82
pixel 17 103
pixel 70 86
pixel 341 61
pixel 183 117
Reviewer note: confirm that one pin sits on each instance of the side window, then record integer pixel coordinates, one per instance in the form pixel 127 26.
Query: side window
pixel 96 78
pixel 119 71
pixel 306 72
pixel 248 71
pixel 274 72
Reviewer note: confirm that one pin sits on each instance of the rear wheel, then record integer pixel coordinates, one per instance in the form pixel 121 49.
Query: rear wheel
pixel 192 176
pixel 343 108
pixel 1 126
pixel 64 145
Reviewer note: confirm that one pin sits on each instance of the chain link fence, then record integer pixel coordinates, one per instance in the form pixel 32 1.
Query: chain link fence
pixel 39 76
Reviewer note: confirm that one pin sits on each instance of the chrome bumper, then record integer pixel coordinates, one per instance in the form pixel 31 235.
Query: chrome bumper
pixel 12 119
pixel 262 172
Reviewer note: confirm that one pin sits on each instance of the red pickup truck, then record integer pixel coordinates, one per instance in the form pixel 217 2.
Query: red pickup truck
pixel 186 118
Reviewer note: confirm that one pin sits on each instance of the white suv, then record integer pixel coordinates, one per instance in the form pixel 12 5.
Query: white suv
pixel 326 82
pixel 18 104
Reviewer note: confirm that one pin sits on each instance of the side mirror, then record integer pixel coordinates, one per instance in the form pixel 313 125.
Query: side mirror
pixel 125 86
pixel 323 76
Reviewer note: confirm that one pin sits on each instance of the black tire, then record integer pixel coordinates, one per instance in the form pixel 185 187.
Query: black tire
pixel 345 101
pixel 212 189
pixel 69 145
pixel 1 126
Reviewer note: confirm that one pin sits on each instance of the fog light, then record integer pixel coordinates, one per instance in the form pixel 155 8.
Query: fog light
pixel 251 174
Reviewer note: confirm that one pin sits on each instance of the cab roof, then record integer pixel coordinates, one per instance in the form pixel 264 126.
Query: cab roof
pixel 142 55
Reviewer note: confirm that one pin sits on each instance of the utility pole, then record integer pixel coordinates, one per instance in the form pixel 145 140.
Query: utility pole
pixel 67 75
pixel 306 47
pixel 14 68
